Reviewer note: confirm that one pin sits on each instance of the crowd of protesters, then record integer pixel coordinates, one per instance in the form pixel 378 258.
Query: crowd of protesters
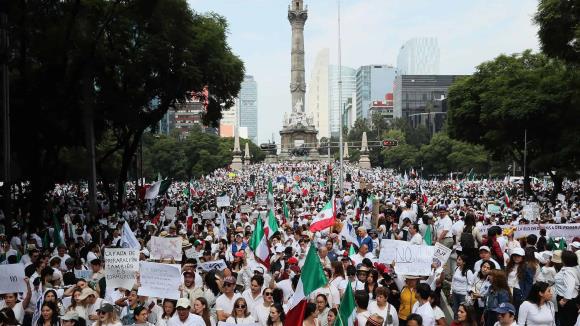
pixel 496 276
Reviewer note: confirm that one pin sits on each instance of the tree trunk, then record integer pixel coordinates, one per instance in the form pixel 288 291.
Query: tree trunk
pixel 557 180
pixel 128 154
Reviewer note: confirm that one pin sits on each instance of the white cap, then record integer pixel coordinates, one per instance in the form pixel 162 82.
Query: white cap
pixel 486 248
pixel 279 249
pixel 183 303
pixel 576 244
pixel 518 251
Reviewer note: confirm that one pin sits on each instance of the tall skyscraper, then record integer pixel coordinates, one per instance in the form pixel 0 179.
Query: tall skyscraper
pixel 317 104
pixel 348 87
pixel 372 84
pixel 419 56
pixel 248 107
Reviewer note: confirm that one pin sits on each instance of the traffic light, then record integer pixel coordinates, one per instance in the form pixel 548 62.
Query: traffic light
pixel 390 143
pixel 268 146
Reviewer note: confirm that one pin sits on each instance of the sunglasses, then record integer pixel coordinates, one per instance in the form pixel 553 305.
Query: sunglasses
pixel 241 306
pixel 229 284
pixel 268 294
pixel 101 312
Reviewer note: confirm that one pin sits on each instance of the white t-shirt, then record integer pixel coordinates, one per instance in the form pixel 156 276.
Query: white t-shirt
pixel 531 314
pixel 444 224
pixel 241 321
pixel 192 320
pixel 251 301
pixel 388 309
pixel 261 314
pixel 417 239
pixel 17 309
pixel 461 284
pixel 426 313
pixel 225 304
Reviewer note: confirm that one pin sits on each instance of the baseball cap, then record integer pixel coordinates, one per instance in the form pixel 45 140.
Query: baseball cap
pixel 518 251
pixel 292 260
pixel 486 248
pixel 183 303
pixel 230 280
pixel 505 307
pixel 106 307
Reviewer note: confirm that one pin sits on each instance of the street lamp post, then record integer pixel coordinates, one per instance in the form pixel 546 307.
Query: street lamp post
pixel 340 182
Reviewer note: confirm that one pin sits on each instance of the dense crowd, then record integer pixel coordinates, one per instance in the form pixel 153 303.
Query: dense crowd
pixel 499 272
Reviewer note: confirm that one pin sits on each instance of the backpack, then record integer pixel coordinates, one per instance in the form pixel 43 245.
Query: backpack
pixel 467 241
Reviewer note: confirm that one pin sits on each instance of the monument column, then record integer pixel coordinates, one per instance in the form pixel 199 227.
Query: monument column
pixel 297 16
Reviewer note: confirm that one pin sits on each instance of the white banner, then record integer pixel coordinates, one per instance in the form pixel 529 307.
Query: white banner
pixel 219 265
pixel 441 254
pixel 192 253
pixel 409 259
pixel 568 231
pixel 160 280
pixel 121 265
pixel 170 213
pixel 12 278
pixel 222 201
pixel 165 248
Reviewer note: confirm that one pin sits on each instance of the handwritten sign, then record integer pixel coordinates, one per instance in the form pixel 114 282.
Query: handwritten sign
pixel 165 248
pixel 192 253
pixel 121 264
pixel 207 215
pixel 409 259
pixel 441 254
pixel 219 265
pixel 84 274
pixel 12 278
pixel 159 280
pixel 170 213
pixel 245 209
pixel 222 201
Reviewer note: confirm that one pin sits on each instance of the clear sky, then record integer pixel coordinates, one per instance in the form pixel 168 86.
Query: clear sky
pixel 469 33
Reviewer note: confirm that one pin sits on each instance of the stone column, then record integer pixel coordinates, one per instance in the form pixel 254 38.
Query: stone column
pixel 364 162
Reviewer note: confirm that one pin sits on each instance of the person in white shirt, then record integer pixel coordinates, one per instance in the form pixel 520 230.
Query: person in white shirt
pixel 461 282
pixel 253 294
pixel 566 285
pixel 383 308
pixel 361 298
pixel 538 309
pixel 423 307
pixel 262 311
pixel 416 237
pixel 443 227
pixel 224 304
pixel 362 253
pixel 184 317
pixel 240 313
pixel 485 255
pixel 506 315
pixel 11 301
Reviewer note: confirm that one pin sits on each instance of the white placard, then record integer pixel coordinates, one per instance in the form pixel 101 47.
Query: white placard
pixel 219 265
pixel 84 274
pixel 262 200
pixel 441 254
pixel 170 213
pixel 12 278
pixel 165 248
pixel 160 280
pixel 192 253
pixel 568 231
pixel 409 259
pixel 121 265
pixel 531 212
pixel 246 209
pixel 208 215
pixel 222 201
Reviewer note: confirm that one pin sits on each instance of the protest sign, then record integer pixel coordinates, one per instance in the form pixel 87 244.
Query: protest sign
pixel 222 201
pixel 165 248
pixel 245 209
pixel 160 280
pixel 493 209
pixel 441 254
pixel 262 200
pixel 219 265
pixel 121 264
pixel 192 253
pixel 568 231
pixel 208 215
pixel 561 198
pixel 12 278
pixel 409 259
pixel 84 274
pixel 531 212
pixel 170 213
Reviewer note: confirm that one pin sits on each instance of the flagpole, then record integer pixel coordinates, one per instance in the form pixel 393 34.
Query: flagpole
pixel 340 147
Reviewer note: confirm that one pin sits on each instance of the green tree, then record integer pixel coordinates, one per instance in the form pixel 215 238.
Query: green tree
pixel 513 94
pixel 444 155
pixel 559 29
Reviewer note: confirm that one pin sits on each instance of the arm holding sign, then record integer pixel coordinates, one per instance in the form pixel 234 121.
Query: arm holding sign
pixel 26 300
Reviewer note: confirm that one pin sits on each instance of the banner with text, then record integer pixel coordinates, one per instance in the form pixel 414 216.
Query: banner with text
pixel 409 259
pixel 121 265
pixel 441 254
pixel 165 248
pixel 568 231
pixel 219 265
pixel 160 280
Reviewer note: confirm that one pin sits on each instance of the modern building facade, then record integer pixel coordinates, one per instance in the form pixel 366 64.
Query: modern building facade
pixel 248 107
pixel 317 102
pixel 372 83
pixel 348 87
pixel 384 108
pixel 229 121
pixel 419 56
pixel 418 95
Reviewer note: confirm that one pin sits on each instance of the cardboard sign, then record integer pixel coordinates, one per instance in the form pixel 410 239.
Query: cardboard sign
pixel 121 264
pixel 222 201
pixel 441 254
pixel 12 278
pixel 170 213
pixel 160 280
pixel 246 209
pixel 219 265
pixel 409 259
pixel 165 248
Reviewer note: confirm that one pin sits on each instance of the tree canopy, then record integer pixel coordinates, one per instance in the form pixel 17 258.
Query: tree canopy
pixel 559 29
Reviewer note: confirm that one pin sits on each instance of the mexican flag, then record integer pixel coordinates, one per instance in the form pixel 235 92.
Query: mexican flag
pixel 312 278
pixel 157 189
pixel 325 218
pixel 189 219
pixel 506 198
pixel 347 310
pixel 259 244
pixel 272 225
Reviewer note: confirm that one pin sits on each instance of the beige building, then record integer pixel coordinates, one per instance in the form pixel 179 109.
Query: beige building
pixel 317 105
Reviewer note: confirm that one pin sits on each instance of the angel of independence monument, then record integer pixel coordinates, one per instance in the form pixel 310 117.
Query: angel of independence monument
pixel 298 128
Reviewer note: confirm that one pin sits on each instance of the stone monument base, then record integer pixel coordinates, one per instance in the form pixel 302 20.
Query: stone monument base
pixel 271 158
pixel 237 163
pixel 292 137
pixel 364 162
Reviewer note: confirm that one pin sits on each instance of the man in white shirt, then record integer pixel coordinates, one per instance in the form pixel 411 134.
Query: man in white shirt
pixel 362 253
pixel 416 237
pixel 183 317
pixel 423 307
pixel 484 254
pixel 224 304
pixel 443 227
pixel 253 294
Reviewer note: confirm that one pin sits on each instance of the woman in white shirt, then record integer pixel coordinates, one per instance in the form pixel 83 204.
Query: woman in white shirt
pixel 538 309
pixel 461 282
pixel 240 314
pixel 383 308
pixel 566 288
pixel 11 301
